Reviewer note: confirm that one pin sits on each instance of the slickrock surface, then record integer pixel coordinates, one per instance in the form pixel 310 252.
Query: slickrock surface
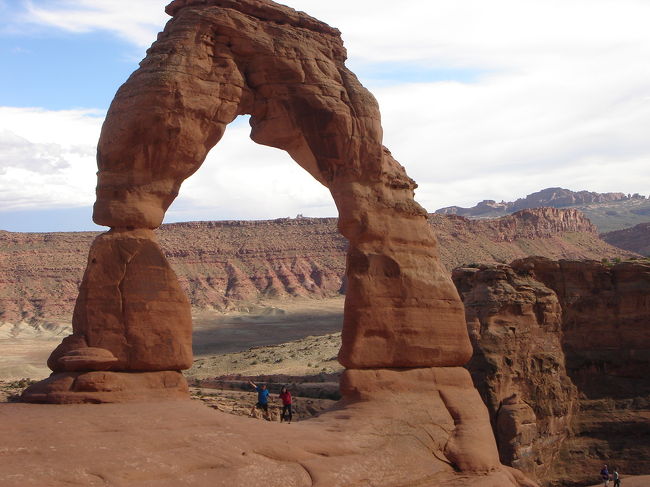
pixel 386 438
pixel 635 239
pixel 515 324
pixel 233 264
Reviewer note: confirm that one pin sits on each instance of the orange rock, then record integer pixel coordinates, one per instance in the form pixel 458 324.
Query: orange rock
pixel 107 387
pixel 515 324
pixel 217 60
pixel 130 311
pixel 89 358
pixel 606 311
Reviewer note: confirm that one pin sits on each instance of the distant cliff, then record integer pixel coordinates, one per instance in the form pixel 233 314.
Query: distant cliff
pixel 227 264
pixel 608 211
pixel 553 197
pixel 635 239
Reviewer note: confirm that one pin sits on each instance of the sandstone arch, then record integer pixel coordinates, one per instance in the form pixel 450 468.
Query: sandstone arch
pixel 213 62
pixel 404 330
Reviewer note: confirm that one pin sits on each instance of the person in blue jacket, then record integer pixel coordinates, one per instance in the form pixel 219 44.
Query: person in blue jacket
pixel 262 399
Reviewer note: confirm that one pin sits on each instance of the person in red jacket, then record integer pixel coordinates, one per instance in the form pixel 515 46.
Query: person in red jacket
pixel 285 395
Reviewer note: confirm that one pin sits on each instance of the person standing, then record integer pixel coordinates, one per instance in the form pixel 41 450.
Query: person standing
pixel 285 395
pixel 616 477
pixel 262 399
pixel 604 475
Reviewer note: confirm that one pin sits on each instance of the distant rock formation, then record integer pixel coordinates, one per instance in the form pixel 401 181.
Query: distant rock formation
pixel 635 239
pixel 553 197
pixel 230 264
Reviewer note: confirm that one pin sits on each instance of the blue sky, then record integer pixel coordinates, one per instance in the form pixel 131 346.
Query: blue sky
pixel 479 100
pixel 58 70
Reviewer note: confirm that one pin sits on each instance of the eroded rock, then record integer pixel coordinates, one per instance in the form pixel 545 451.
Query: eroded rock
pixel 218 59
pixel 515 324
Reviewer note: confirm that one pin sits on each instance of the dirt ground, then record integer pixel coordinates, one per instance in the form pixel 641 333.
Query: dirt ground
pixel 291 342
pixel 24 349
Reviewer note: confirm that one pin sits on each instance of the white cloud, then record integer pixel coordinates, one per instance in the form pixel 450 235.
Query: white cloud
pixel 137 22
pixel 47 158
pixel 243 180
pixel 560 98
pixel 18 152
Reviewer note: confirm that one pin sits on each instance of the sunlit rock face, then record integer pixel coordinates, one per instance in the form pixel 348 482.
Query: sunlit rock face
pixel 404 334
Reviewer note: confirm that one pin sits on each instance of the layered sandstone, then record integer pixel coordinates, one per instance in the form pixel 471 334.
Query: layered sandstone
pixel 515 324
pixel 605 324
pixel 217 60
pixel 541 331
pixel 552 197
pixel 229 264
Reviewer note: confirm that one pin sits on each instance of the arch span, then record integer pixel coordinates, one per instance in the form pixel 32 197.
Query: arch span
pixel 404 334
pixel 214 61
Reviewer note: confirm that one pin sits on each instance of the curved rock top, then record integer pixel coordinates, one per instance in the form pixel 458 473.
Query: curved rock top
pixel 261 10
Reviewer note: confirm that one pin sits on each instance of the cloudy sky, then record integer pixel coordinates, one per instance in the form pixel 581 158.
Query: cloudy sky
pixel 479 100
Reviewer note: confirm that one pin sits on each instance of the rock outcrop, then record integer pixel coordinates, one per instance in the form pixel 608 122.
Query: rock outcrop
pixel 605 324
pixel 541 329
pixel 404 337
pixel 553 197
pixel 515 324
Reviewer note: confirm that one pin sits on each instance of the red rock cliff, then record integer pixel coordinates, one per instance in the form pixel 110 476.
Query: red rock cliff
pixel 538 327
pixel 515 324
pixel 227 264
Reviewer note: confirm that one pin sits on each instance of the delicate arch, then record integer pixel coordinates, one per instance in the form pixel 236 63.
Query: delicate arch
pixel 215 60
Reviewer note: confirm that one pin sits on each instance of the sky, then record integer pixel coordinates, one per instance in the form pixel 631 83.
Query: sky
pixel 479 100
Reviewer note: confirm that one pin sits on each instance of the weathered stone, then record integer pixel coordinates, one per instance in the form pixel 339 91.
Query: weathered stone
pixel 107 387
pixel 216 60
pixel 515 324
pixel 605 325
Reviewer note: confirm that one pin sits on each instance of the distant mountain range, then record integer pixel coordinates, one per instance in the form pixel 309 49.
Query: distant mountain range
pixel 608 211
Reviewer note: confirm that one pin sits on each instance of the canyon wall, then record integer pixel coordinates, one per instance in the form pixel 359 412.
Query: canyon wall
pixel 515 324
pixel 561 358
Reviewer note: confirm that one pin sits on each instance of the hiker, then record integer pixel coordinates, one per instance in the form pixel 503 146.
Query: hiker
pixel 604 474
pixel 617 478
pixel 285 395
pixel 262 399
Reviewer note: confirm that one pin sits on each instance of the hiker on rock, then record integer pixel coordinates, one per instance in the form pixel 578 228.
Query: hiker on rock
pixel 262 399
pixel 604 474
pixel 285 395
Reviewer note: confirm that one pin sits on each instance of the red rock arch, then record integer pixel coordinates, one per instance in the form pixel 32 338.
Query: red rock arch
pixel 214 61
pixel 404 334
